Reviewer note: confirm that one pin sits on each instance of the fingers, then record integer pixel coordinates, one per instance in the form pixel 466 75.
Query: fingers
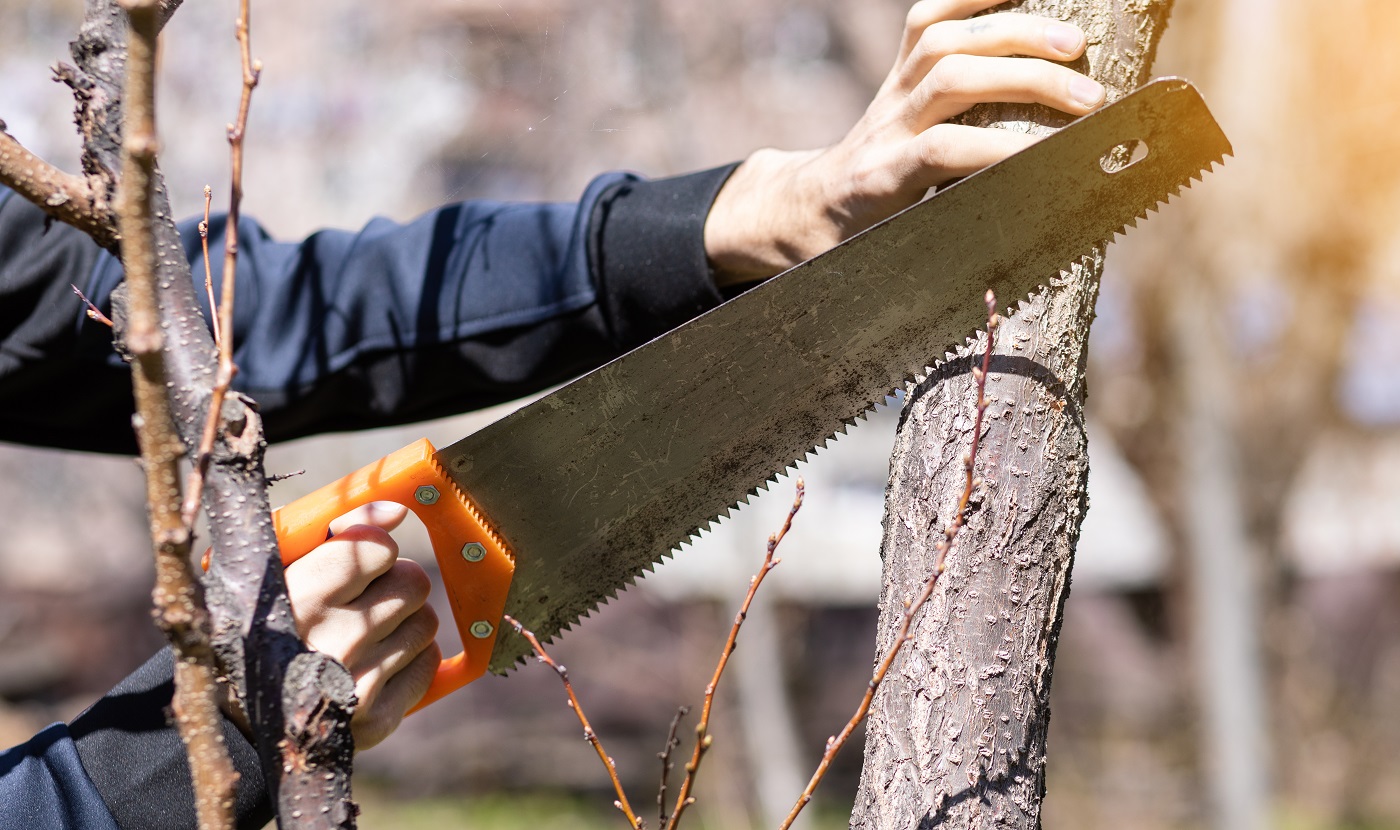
pixel 393 677
pixel 926 13
pixel 995 35
pixel 339 570
pixel 950 151
pixel 355 600
pixel 385 698
pixel 958 82
pixel 394 653
pixel 948 64
pixel 353 632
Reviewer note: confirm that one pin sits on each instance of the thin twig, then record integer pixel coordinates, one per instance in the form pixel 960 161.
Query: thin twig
pixel 592 737
pixel 223 314
pixel 666 765
pixel 911 609
pixel 93 312
pixel 703 739
pixel 178 594
pixel 251 71
pixel 208 271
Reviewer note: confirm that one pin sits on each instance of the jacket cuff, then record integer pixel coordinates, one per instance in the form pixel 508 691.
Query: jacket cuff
pixel 134 756
pixel 647 252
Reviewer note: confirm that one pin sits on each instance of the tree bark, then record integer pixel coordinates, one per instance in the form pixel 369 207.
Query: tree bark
pixel 298 701
pixel 957 733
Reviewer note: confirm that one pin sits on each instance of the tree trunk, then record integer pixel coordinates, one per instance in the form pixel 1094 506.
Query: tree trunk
pixel 957 732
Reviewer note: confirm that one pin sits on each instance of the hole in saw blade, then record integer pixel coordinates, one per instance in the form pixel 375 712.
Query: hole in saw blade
pixel 1122 156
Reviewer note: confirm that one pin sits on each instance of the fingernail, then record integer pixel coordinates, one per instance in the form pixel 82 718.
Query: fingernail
pixel 1064 38
pixel 1087 91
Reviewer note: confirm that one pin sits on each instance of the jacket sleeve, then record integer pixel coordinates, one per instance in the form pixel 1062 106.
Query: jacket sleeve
pixel 469 305
pixel 43 784
pixel 134 758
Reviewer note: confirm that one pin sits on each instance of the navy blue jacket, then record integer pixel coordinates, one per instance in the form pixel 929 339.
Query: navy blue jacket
pixel 469 305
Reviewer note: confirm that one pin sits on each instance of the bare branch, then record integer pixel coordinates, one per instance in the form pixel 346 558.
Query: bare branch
pixel 65 197
pixel 703 739
pixel 665 755
pixel 208 272
pixel 223 312
pixel 592 737
pixel 178 595
pixel 93 312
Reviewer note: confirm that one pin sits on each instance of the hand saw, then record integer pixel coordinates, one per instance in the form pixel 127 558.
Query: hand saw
pixel 555 508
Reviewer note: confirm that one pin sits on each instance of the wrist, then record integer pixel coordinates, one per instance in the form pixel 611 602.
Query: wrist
pixel 767 217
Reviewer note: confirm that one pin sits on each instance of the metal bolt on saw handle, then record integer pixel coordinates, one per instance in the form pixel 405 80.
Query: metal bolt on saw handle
pixel 476 587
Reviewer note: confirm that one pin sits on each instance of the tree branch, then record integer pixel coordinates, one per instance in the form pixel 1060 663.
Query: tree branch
pixel 61 195
pixel 178 595
pixel 223 311
pixel 299 702
pixel 702 730
pixel 672 742
pixel 589 735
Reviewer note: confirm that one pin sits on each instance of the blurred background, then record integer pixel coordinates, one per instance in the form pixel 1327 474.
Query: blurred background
pixel 1231 649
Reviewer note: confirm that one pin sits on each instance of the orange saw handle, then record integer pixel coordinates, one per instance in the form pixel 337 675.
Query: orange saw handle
pixel 475 563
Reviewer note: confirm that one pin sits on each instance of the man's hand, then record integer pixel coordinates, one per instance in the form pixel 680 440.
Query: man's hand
pixel 780 208
pixel 354 599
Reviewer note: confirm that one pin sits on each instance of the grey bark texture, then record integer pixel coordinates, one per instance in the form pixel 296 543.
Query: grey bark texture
pixel 957 732
pixel 299 701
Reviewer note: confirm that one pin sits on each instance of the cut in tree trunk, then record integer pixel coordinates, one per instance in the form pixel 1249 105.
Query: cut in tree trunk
pixel 956 737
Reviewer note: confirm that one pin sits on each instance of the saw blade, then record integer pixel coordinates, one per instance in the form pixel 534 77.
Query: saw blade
pixel 597 482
